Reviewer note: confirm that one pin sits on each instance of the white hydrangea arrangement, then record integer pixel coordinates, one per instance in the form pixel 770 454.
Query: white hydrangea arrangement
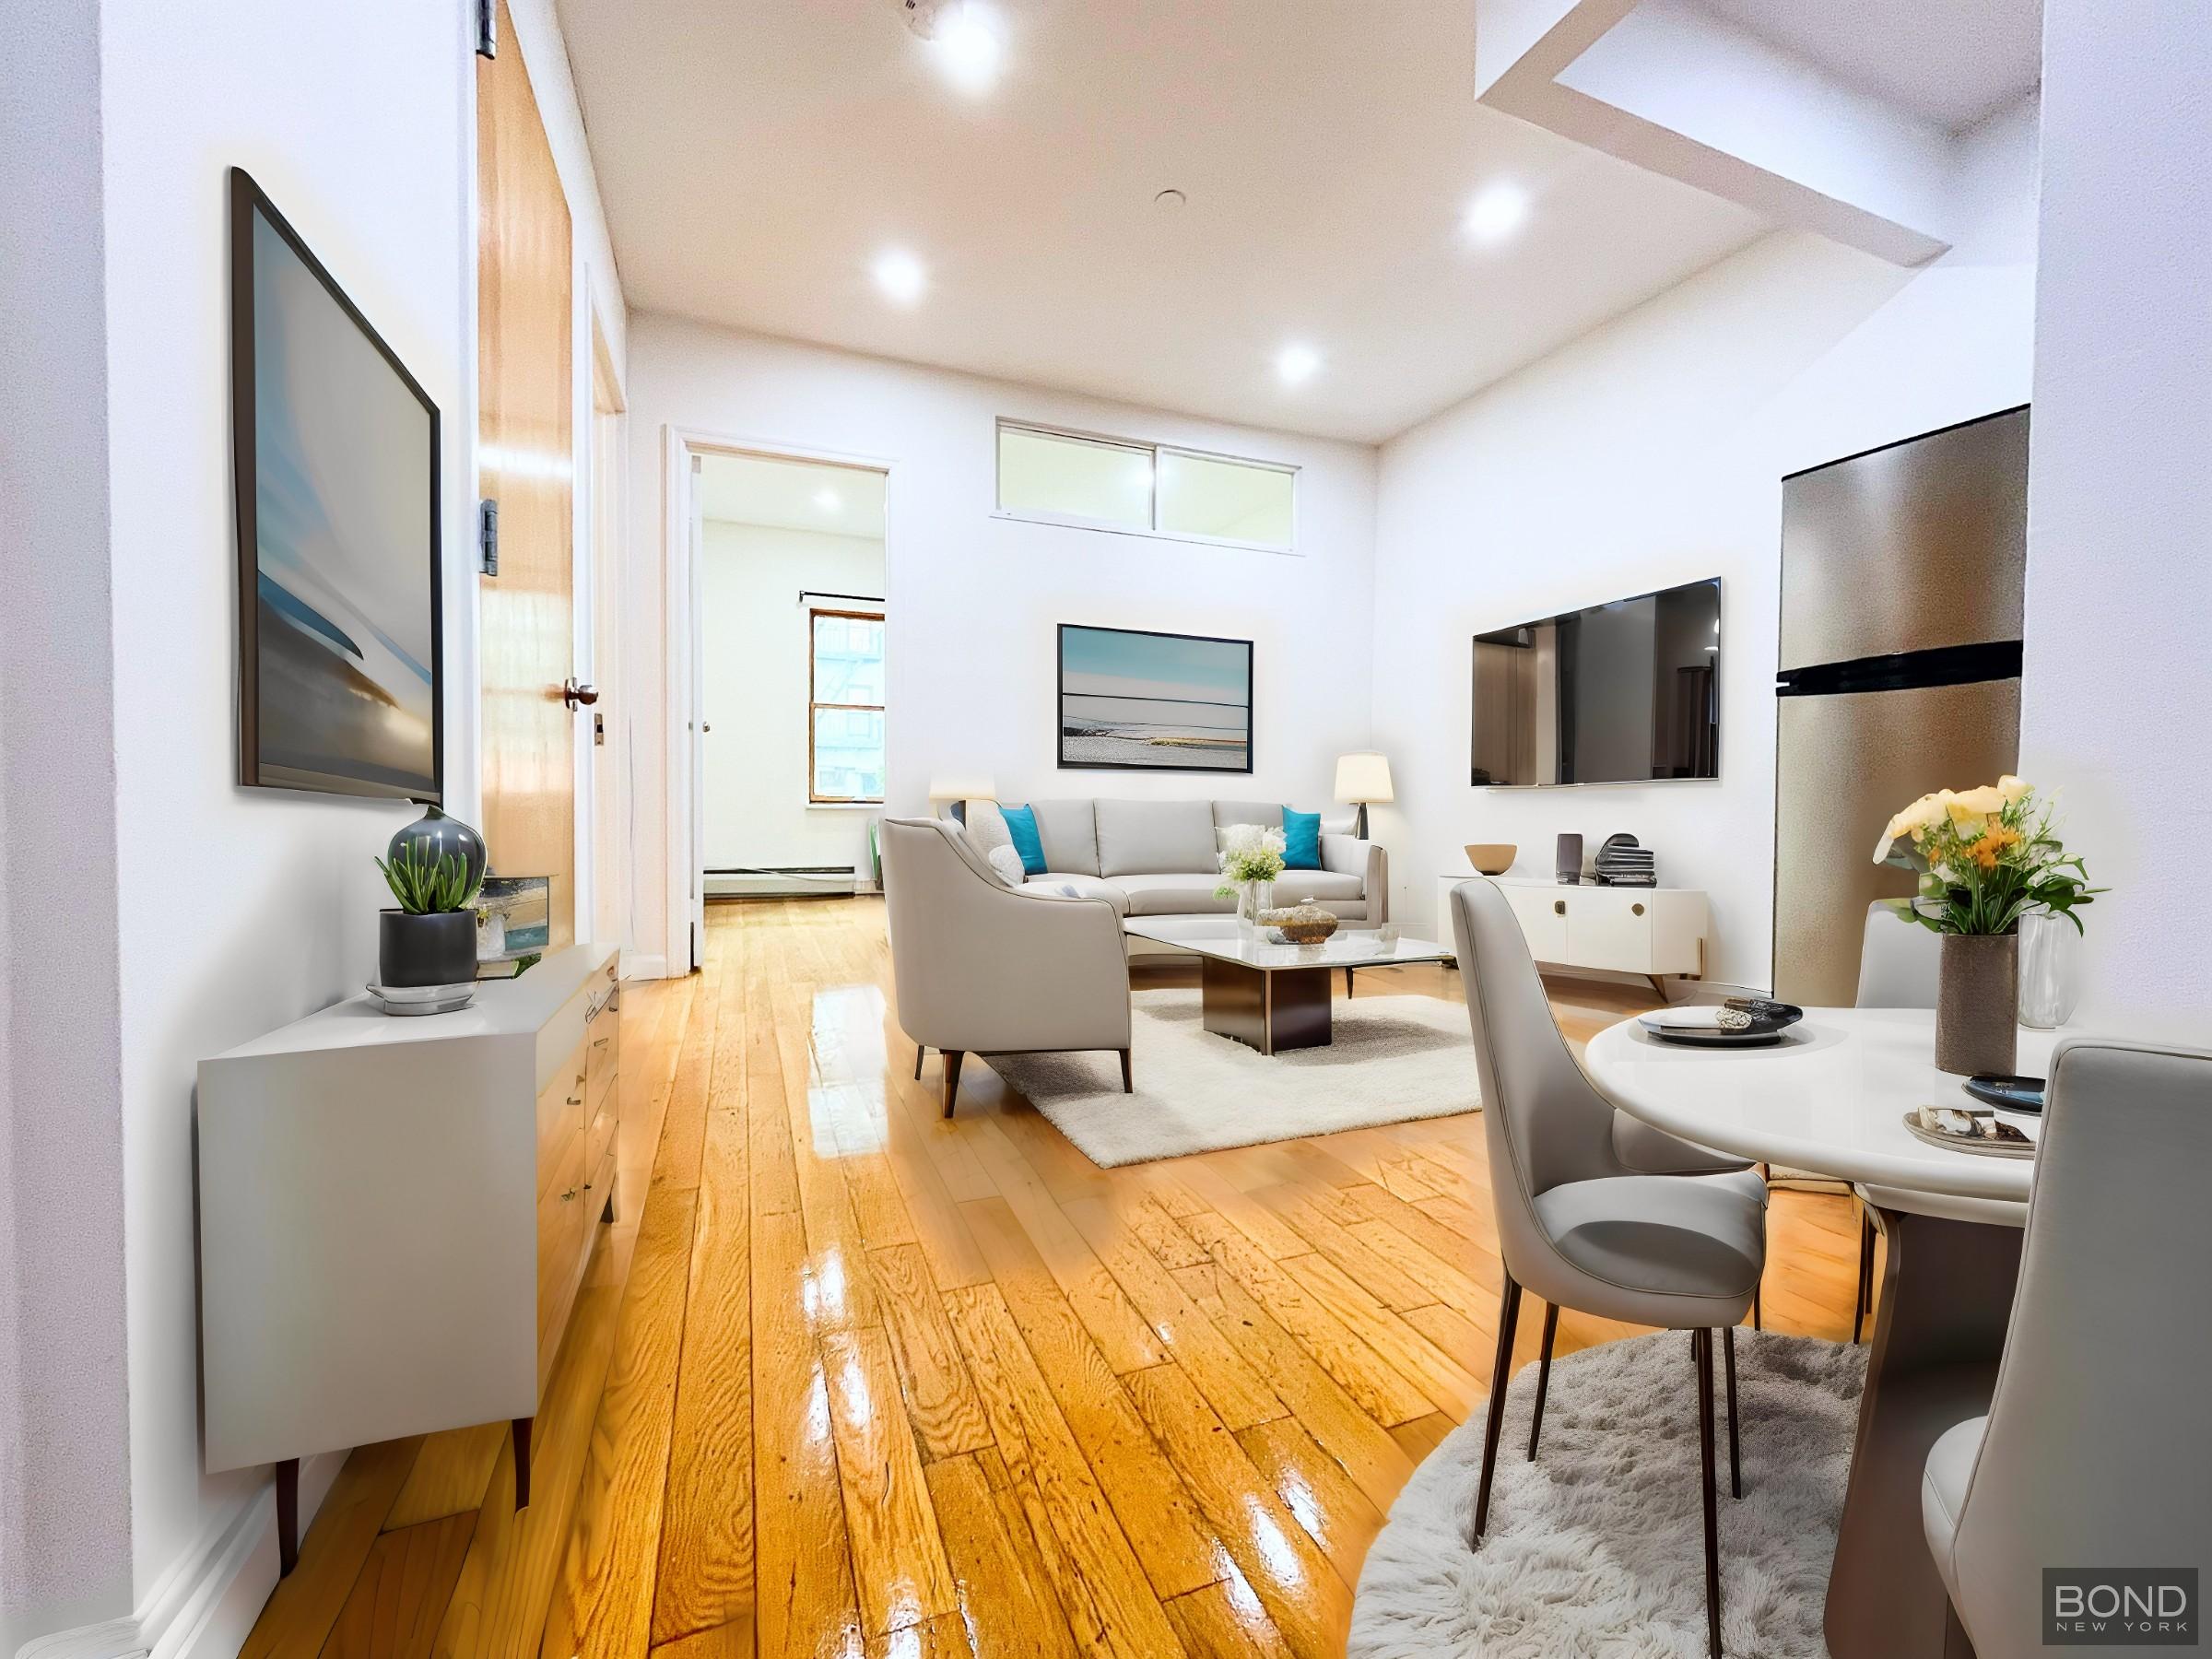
pixel 1249 853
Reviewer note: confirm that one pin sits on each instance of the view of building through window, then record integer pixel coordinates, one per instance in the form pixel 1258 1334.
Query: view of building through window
pixel 846 732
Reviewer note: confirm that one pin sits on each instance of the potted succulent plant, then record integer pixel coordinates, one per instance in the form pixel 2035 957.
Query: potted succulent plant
pixel 1986 858
pixel 430 938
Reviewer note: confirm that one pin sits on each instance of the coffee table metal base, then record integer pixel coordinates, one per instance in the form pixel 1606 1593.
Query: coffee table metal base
pixel 1267 1009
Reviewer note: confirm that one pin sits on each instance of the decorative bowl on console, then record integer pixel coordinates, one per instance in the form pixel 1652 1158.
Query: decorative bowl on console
pixel 1492 858
pixel 1298 925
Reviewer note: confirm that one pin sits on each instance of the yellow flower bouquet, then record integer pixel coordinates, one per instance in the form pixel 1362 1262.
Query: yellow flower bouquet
pixel 1985 857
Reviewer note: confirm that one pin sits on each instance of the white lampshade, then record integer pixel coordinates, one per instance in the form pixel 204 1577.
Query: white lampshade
pixel 963 786
pixel 1363 778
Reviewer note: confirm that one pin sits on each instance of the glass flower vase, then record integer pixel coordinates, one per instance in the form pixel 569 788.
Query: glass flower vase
pixel 2049 983
pixel 1252 897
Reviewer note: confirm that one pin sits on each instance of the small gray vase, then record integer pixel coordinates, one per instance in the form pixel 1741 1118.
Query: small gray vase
pixel 434 835
pixel 1977 1004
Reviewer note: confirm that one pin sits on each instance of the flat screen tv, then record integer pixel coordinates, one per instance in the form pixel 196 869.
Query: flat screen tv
pixel 336 451
pixel 1617 693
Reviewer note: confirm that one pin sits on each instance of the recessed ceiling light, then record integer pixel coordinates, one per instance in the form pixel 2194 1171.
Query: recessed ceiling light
pixel 964 40
pixel 827 501
pixel 900 276
pixel 1497 211
pixel 1297 363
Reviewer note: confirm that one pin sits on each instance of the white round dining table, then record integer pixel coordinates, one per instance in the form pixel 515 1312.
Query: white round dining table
pixel 1831 1097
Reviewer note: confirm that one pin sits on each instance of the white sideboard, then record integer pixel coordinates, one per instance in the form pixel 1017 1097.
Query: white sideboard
pixel 396 1215
pixel 1651 931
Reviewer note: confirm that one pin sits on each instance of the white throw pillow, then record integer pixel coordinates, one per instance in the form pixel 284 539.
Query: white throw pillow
pixel 1006 863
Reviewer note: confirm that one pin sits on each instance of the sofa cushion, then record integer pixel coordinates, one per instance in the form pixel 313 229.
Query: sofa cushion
pixel 1173 894
pixel 1006 860
pixel 1070 833
pixel 1138 838
pixel 1268 814
pixel 1080 887
pixel 1301 839
pixel 986 826
pixel 1292 886
pixel 1022 835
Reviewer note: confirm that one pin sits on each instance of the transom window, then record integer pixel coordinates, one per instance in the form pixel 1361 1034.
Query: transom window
pixel 1144 488
pixel 844 716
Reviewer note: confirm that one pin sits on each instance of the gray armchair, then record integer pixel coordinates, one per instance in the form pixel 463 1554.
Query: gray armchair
pixel 981 967
pixel 2092 1456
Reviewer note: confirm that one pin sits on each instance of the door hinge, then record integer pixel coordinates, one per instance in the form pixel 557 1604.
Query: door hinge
pixel 488 536
pixel 487 29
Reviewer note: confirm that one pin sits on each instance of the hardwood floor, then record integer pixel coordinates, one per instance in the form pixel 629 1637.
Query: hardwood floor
pixel 851 1378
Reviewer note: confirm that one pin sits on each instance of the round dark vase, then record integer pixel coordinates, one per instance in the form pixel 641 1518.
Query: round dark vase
pixel 1977 1004
pixel 436 949
pixel 433 836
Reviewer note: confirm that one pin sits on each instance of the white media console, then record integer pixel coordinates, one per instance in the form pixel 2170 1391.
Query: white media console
pixel 1651 931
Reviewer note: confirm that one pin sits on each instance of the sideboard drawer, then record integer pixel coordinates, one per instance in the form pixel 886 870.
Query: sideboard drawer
pixel 1609 930
pixel 560 1112
pixel 563 1215
pixel 602 1050
pixel 1543 915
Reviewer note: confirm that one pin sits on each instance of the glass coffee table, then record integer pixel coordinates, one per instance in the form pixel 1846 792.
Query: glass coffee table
pixel 1272 996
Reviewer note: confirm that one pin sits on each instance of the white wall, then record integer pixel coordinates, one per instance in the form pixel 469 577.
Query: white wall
pixel 2120 496
pixel 1650 453
pixel 65 1448
pixel 975 599
pixel 172 914
pixel 242 910
pixel 756 678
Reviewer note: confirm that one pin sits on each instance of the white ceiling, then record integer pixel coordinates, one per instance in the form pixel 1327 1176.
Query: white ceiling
pixel 792 495
pixel 1950 62
pixel 755 156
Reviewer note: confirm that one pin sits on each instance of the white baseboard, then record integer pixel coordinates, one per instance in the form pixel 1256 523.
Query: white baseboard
pixel 636 967
pixel 204 1606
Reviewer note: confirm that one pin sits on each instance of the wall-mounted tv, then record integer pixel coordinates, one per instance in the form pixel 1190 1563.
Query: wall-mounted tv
pixel 1619 693
pixel 336 453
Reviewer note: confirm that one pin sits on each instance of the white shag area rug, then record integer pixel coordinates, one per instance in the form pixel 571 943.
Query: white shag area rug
pixel 1598 1546
pixel 1392 1059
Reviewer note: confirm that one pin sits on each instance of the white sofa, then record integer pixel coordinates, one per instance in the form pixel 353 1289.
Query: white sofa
pixel 1161 858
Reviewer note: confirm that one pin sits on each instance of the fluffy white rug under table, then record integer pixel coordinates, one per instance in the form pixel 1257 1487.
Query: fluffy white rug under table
pixel 1597 1547
pixel 1393 1059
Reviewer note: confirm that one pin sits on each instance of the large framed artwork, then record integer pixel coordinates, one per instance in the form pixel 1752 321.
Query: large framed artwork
pixel 336 454
pixel 1154 701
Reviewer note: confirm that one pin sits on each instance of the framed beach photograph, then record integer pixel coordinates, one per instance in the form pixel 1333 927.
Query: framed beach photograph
pixel 514 923
pixel 335 453
pixel 1154 701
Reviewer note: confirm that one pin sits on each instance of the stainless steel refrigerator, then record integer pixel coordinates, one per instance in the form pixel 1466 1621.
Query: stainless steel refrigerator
pixel 1900 671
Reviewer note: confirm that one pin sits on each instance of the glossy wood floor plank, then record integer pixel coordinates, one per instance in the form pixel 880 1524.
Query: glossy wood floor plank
pixel 847 1378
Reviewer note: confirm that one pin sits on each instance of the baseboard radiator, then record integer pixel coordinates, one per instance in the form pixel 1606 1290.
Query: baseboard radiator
pixel 794 881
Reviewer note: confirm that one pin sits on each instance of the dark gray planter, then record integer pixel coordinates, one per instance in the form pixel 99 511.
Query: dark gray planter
pixel 438 949
pixel 1977 1004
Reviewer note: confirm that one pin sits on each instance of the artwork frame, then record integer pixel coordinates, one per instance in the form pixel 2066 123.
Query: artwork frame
pixel 390 663
pixel 1105 656
pixel 515 917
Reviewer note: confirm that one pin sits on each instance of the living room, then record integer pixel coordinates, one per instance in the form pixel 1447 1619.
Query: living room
pixel 1578 474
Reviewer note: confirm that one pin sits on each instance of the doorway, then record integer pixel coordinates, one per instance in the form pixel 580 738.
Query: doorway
pixel 790 633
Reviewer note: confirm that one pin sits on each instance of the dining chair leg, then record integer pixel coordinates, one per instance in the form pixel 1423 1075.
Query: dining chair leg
pixel 921 1053
pixel 1509 1310
pixel 1865 1289
pixel 1128 1078
pixel 1701 1347
pixel 1757 1312
pixel 952 1076
pixel 1536 1422
pixel 1736 1466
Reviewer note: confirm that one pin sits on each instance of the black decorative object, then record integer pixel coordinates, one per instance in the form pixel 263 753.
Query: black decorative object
pixel 1567 866
pixel 435 950
pixel 1739 1022
pixel 433 836
pixel 1621 863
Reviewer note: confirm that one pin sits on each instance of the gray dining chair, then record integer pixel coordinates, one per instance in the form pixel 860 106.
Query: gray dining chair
pixel 1900 967
pixel 2092 1455
pixel 1579 1225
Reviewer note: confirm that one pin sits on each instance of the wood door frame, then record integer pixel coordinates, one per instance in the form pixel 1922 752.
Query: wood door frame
pixel 684 866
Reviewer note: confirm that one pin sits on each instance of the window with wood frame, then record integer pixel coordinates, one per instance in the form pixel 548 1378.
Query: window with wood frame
pixel 844 714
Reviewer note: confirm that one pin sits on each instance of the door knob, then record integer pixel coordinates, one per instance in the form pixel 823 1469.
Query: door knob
pixel 578 696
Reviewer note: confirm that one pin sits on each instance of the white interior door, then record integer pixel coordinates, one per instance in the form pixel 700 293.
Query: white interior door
pixel 697 872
